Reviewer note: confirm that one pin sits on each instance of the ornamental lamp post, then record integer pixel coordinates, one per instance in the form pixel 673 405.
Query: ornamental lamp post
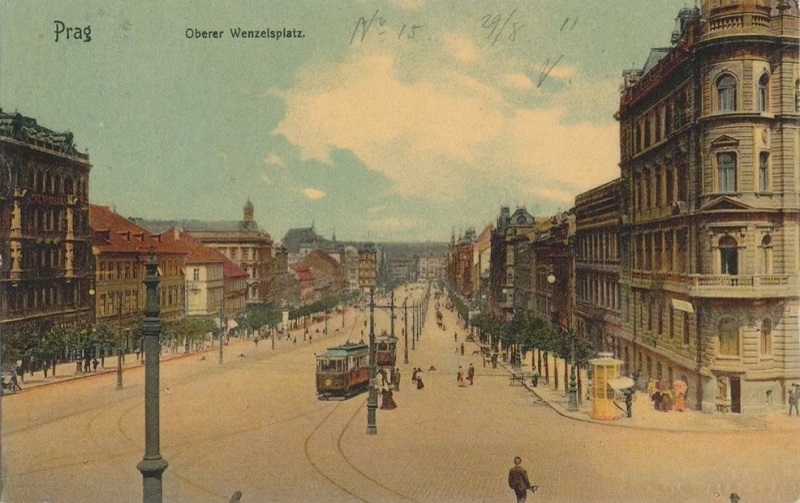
pixel 152 464
pixel 572 405
pixel 223 324
pixel 372 400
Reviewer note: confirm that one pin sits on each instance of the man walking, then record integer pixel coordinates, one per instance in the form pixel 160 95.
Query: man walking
pixel 518 481
pixel 794 397
pixel 470 373
pixel 397 379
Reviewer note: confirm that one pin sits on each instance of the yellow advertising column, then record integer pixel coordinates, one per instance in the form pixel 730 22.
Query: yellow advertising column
pixel 604 369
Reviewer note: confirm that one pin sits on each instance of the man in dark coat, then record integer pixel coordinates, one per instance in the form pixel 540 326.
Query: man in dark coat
pixel 470 373
pixel 518 481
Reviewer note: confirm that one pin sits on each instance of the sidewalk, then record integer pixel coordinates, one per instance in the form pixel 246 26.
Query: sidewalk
pixel 234 346
pixel 645 416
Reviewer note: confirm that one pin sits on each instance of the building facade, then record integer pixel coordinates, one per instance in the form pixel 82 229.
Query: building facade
pixel 709 253
pixel 501 288
pixel 45 275
pixel 597 266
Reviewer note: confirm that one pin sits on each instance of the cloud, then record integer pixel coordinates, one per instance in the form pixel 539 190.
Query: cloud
pixel 313 194
pixel 448 135
pixel 266 179
pixel 460 48
pixel 274 159
pixel 518 81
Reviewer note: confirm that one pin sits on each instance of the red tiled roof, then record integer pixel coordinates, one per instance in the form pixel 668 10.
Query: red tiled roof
pixel 112 232
pixel 231 270
pixel 197 252
pixel 303 272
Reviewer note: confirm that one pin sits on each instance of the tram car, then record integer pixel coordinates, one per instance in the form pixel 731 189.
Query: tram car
pixel 343 371
pixel 385 351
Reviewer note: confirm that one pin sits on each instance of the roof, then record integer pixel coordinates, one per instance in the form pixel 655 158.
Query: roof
pixel 231 270
pixel 294 238
pixel 321 255
pixel 303 273
pixel 485 235
pixel 343 350
pixel 656 54
pixel 112 232
pixel 159 226
pixel 197 252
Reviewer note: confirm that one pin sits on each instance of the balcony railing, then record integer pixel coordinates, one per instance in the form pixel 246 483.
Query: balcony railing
pixel 732 286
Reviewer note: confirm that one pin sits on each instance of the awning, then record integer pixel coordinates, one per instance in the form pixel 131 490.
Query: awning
pixel 682 305
pixel 620 383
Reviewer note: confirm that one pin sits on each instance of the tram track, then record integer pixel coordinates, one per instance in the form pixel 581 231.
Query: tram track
pixel 356 483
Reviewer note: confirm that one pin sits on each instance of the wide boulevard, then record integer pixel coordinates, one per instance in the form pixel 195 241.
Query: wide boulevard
pixel 254 424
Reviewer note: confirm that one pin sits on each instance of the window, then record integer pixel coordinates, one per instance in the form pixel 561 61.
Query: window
pixel 763 171
pixel 728 255
pixel 726 93
pixel 766 336
pixel 763 93
pixel 766 254
pixel 196 274
pixel 728 337
pixel 726 172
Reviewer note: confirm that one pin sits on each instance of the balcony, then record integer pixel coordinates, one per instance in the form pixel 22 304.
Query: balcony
pixel 740 286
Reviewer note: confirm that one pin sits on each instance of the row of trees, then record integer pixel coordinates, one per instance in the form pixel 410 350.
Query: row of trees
pixel 527 333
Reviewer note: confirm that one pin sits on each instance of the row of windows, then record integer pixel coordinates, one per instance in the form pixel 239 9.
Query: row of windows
pixel 728 251
pixel 241 253
pixel 659 186
pixel 598 247
pixel 660 251
pixel 21 299
pixel 727 93
pixel 658 123
pixel 728 172
pixel 603 292
pixel 651 316
pixel 728 330
pixel 37 219
pixel 44 182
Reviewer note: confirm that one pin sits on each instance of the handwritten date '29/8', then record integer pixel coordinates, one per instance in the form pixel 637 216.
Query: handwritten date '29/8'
pixel 379 27
pixel 497 25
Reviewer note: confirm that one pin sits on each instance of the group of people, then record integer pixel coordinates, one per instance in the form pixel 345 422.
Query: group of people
pixel 462 378
pixel 666 398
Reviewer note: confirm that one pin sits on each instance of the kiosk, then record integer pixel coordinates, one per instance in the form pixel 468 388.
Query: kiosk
pixel 605 370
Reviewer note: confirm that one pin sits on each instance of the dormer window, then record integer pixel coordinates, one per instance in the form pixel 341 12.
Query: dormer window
pixel 726 93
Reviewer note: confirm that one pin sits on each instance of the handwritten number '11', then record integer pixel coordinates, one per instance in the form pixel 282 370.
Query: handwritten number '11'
pixel 497 25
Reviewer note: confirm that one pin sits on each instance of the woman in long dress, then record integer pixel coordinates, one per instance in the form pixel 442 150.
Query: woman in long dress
pixel 679 387
pixel 461 379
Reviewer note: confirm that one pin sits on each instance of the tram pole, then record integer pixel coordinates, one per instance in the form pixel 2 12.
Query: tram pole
pixel 372 400
pixel 405 331
pixel 391 325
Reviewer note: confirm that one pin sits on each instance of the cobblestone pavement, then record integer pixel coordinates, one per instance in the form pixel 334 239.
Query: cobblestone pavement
pixel 253 424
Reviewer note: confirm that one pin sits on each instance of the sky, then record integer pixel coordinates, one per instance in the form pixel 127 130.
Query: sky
pixel 398 120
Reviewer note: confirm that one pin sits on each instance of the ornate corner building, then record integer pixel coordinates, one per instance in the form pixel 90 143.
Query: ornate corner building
pixel 710 241
pixel 45 274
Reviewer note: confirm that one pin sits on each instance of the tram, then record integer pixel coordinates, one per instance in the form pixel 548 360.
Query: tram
pixel 343 371
pixel 386 351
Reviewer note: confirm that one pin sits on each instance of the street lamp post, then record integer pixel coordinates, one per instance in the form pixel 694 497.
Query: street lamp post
pixel 152 464
pixel 372 400
pixel 572 405
pixel 222 326
pixel 119 368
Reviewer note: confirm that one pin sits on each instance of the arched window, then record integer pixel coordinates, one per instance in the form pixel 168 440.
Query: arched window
pixel 728 256
pixel 728 337
pixel 766 336
pixel 726 172
pixel 763 93
pixel 726 93
pixel 766 254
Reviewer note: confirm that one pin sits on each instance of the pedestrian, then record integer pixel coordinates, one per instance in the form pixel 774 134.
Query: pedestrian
pixel 455 336
pixel 94 364
pixel 735 498
pixel 794 396
pixel 397 379
pixel 462 349
pixel 414 375
pixel 256 341
pixel 294 341
pixel 382 373
pixel 470 374
pixel 460 378
pixel 420 384
pixel 518 481
pixel 236 497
